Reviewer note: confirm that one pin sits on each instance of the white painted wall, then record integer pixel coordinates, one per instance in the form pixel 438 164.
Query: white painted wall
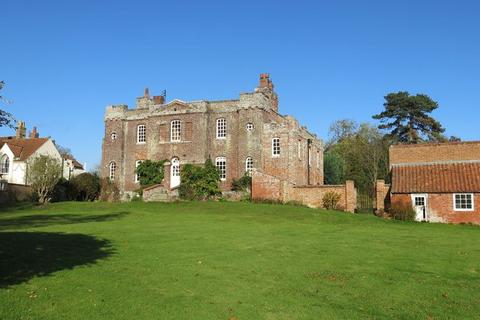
pixel 17 170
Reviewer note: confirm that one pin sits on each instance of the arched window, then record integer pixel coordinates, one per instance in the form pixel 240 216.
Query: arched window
pixel 112 170
pixel 248 165
pixel 4 164
pixel 175 130
pixel 221 128
pixel 249 127
pixel 113 136
pixel 221 164
pixel 141 133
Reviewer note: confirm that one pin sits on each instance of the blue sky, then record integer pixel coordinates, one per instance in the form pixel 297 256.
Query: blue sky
pixel 64 61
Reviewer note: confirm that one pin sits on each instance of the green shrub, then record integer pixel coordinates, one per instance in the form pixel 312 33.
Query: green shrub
pixel 87 186
pixel 330 200
pixel 150 172
pixel 64 191
pixel 242 184
pixel 402 211
pixel 199 183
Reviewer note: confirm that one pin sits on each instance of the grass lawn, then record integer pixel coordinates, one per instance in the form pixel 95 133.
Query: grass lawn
pixel 231 261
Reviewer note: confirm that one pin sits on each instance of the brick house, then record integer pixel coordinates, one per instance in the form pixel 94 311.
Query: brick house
pixel 440 181
pixel 237 135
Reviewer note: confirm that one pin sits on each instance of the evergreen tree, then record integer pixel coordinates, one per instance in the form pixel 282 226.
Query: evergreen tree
pixel 408 118
pixel 6 119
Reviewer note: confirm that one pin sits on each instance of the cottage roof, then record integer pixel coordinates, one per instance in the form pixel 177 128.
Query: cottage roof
pixel 436 177
pixel 22 148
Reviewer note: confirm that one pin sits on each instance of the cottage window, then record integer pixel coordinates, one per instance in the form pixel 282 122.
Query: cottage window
pixel 141 133
pixel 112 170
pixel 221 128
pixel 137 163
pixel 463 202
pixel 175 130
pixel 276 147
pixel 248 165
pixel 221 164
pixel 4 164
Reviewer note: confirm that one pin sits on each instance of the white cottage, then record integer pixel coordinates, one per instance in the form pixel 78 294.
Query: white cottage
pixel 16 151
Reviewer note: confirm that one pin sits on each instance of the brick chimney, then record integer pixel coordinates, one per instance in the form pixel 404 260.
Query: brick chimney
pixel 146 93
pixel 21 131
pixel 34 133
pixel 158 99
pixel 265 81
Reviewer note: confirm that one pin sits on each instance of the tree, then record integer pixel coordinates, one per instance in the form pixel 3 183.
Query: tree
pixel 360 155
pixel 333 165
pixel 407 117
pixel 65 152
pixel 150 172
pixel 6 119
pixel 43 174
pixel 87 186
pixel 341 130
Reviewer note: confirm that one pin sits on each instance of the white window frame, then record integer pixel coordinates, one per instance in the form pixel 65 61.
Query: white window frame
pixel 175 130
pixel 4 159
pixel 222 169
pixel 276 150
pixel 137 163
pixel 248 165
pixel 112 169
pixel 221 128
pixel 113 136
pixel 465 194
pixel 141 134
pixel 249 127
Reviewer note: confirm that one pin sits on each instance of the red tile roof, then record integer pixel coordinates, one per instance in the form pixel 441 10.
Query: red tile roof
pixel 436 178
pixel 23 148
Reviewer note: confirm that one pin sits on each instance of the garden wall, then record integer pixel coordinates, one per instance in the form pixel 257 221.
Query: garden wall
pixel 267 187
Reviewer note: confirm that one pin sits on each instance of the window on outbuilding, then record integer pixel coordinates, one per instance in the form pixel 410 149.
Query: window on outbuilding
pixel 463 202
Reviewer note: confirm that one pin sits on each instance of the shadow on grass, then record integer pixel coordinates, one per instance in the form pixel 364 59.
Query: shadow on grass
pixel 43 220
pixel 24 255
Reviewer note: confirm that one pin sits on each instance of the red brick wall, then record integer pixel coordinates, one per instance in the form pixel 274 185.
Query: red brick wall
pixel 436 152
pixel 267 187
pixel 440 208
pixel 382 196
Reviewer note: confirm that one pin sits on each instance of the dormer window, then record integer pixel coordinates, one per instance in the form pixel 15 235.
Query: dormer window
pixel 221 128
pixel 141 134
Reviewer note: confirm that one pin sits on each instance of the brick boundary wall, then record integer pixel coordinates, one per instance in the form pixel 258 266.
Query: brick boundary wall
pixel 267 187
pixel 382 197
